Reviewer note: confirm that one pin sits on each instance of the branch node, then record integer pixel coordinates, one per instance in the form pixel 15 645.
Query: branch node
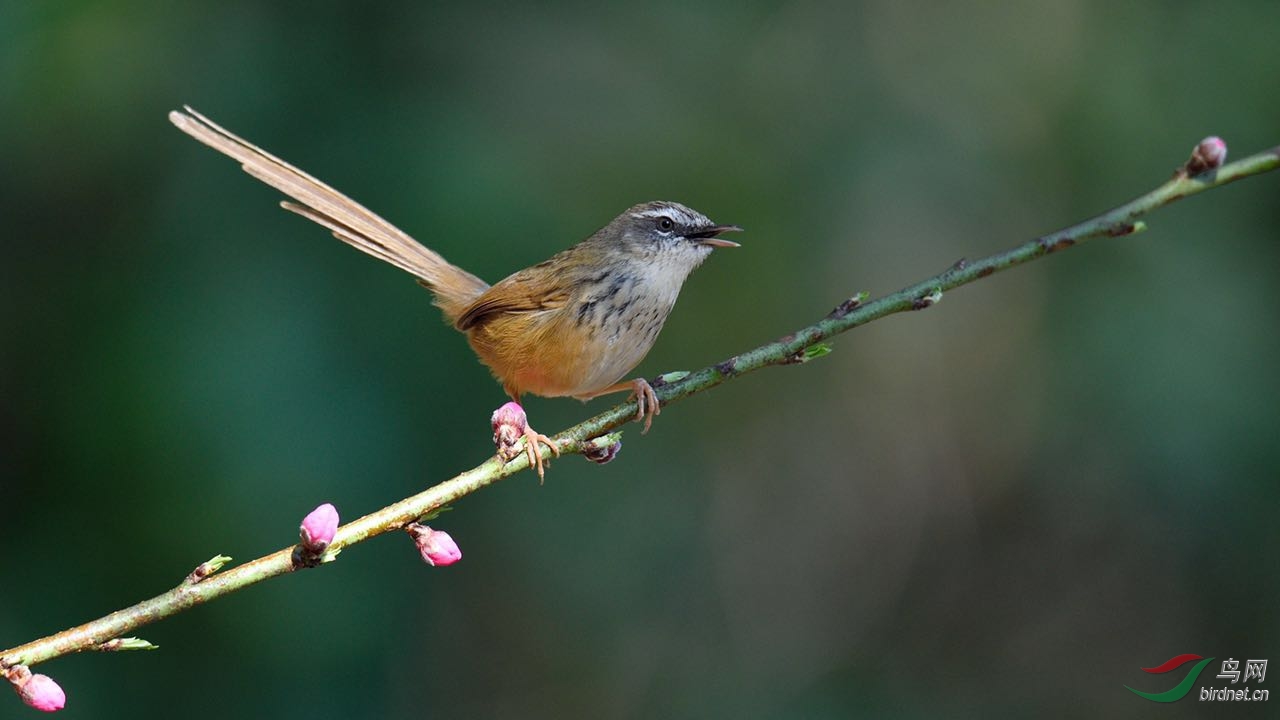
pixel 602 450
pixel 304 558
pixel 206 568
pixel 728 368
pixel 125 643
pixel 812 352
pixel 669 378
pixel 432 514
pixel 928 300
pixel 847 306
pixel 1053 244
pixel 1125 228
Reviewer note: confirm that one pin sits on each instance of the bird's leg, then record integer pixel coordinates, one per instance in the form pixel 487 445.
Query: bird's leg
pixel 645 397
pixel 509 425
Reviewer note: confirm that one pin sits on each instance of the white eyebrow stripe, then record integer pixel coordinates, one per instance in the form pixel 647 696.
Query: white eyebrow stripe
pixel 682 214
pixel 656 212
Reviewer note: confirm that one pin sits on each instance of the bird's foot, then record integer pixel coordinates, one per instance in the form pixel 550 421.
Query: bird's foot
pixel 647 400
pixel 532 438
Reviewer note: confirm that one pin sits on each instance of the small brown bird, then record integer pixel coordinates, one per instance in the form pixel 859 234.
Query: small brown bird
pixel 573 325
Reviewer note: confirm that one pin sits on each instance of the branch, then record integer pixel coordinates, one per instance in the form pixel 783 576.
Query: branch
pixel 593 436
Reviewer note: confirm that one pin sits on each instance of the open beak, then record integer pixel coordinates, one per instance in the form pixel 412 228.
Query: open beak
pixel 708 236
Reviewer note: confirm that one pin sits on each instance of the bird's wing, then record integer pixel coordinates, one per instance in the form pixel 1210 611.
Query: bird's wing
pixel 529 290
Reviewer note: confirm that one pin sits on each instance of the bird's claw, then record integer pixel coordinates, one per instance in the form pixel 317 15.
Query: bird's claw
pixel 647 400
pixel 533 450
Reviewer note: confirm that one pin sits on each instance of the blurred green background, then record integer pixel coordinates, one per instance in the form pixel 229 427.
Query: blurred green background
pixel 1001 507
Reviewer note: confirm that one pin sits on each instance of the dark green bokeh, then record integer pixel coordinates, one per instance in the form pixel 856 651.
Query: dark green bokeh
pixel 1003 506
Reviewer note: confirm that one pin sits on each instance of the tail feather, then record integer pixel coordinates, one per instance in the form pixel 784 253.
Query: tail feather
pixel 349 221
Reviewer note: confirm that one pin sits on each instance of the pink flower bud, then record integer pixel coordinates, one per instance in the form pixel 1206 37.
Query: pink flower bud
pixel 436 546
pixel 605 454
pixel 38 691
pixel 318 528
pixel 509 423
pixel 1208 155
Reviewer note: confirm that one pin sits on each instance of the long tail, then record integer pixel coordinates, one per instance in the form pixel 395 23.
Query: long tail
pixel 349 221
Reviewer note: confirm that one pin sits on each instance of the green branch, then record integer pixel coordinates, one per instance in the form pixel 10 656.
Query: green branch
pixel 207 583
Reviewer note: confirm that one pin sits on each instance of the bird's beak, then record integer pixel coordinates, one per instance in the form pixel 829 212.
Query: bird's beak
pixel 708 236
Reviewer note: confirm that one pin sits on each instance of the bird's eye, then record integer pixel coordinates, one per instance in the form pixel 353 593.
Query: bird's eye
pixel 665 224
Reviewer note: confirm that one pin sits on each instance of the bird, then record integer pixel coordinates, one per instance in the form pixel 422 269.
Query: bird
pixel 571 326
